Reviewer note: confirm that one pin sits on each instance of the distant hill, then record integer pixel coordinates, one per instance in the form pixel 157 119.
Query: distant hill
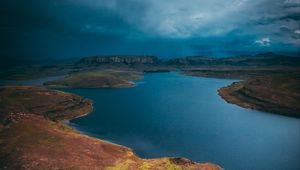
pixel 264 59
pixel 146 63
pixel 118 60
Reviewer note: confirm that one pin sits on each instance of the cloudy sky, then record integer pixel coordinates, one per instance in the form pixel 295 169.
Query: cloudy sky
pixel 167 28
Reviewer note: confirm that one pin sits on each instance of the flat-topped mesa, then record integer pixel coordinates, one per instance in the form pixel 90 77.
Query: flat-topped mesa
pixel 119 59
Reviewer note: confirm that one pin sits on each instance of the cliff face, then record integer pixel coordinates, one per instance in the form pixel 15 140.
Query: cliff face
pixel 122 59
pixel 145 62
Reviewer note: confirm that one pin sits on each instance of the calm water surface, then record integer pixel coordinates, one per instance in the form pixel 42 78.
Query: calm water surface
pixel 171 115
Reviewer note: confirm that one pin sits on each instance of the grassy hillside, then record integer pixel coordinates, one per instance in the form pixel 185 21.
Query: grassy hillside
pixel 32 136
pixel 276 94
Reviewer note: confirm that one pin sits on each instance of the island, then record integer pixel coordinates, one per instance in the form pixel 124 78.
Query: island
pixel 34 135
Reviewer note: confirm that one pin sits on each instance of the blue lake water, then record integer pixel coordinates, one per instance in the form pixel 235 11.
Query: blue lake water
pixel 167 114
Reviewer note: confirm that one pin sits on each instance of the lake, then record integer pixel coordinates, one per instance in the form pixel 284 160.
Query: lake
pixel 167 114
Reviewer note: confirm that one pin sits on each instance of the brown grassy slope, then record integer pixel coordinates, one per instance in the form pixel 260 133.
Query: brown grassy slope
pixel 241 73
pixel 52 104
pixel 276 93
pixel 98 79
pixel 30 140
pixel 273 89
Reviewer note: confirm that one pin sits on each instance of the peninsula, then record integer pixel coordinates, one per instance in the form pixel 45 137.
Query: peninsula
pixel 98 79
pixel 33 135
pixel 118 71
pixel 33 117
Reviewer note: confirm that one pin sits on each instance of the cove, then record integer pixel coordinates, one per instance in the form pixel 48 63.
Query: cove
pixel 167 114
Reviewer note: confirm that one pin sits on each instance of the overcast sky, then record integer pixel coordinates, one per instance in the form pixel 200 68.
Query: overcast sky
pixel 167 28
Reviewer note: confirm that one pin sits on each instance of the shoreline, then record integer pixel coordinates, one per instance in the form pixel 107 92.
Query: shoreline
pixel 182 160
pixel 66 146
pixel 237 94
pixel 272 91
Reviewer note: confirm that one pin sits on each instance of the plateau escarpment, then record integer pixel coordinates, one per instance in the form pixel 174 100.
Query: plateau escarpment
pixel 144 63
pixel 33 136
pixel 118 60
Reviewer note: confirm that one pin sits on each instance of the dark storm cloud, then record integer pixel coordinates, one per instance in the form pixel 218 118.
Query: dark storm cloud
pixel 293 17
pixel 75 28
pixel 45 29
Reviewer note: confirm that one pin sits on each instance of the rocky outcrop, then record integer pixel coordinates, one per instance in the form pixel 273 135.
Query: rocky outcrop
pixel 118 59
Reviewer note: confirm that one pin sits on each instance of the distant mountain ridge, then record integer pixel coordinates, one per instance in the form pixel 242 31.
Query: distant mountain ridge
pixel 263 59
pixel 118 59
